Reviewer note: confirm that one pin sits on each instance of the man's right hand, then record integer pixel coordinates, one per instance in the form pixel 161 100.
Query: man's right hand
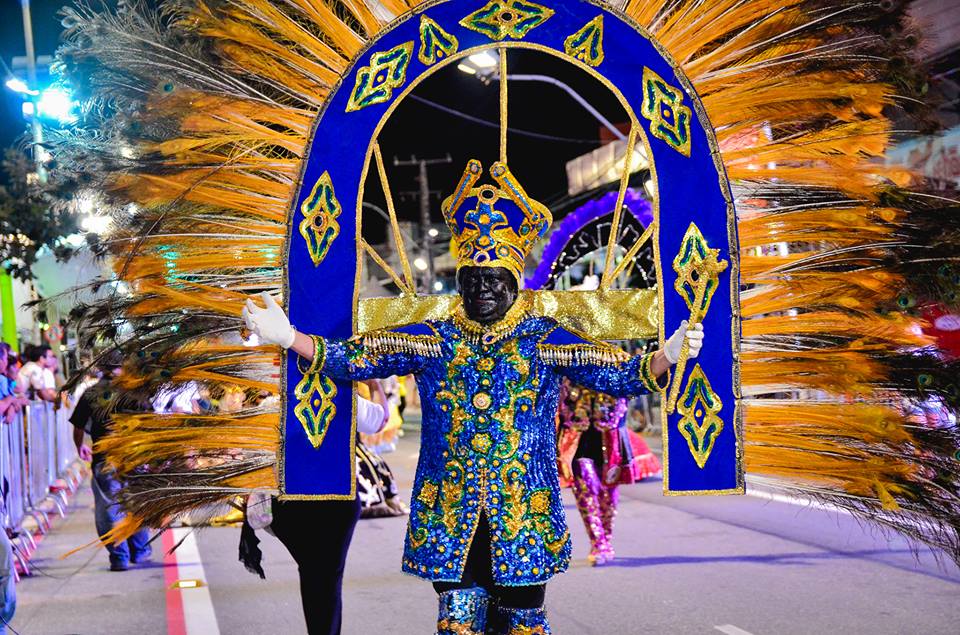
pixel 85 452
pixel 270 324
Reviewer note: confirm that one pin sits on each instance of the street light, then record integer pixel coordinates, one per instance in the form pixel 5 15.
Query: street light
pixel 484 59
pixel 420 263
pixel 484 66
pixel 17 85
pixel 56 103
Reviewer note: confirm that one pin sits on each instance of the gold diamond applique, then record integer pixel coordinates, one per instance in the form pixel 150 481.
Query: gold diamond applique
pixel 698 269
pixel 501 19
pixel 315 408
pixel 319 226
pixel 375 83
pixel 699 423
pixel 663 106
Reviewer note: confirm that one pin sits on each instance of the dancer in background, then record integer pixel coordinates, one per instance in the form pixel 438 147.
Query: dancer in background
pixel 376 485
pixel 598 453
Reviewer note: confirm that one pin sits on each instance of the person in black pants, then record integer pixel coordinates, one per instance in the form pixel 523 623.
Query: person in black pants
pixel 317 534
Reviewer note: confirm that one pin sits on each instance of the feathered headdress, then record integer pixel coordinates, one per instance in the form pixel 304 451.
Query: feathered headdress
pixel 200 115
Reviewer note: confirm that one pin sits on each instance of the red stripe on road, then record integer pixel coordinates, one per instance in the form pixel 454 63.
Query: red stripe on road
pixel 176 625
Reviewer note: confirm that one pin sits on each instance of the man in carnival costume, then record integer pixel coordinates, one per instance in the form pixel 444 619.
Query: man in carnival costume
pixel 487 524
pixel 234 141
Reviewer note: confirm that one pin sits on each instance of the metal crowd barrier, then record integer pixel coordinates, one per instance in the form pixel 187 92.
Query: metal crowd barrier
pixel 39 468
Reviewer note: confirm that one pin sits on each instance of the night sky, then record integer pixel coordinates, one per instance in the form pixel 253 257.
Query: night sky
pixel 417 128
pixel 46 35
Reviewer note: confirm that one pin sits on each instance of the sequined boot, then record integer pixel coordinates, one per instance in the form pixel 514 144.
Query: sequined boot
pixel 463 612
pixel 609 499
pixel 509 621
pixel 586 489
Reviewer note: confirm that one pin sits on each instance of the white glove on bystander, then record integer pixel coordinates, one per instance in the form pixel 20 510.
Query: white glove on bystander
pixel 271 323
pixel 694 337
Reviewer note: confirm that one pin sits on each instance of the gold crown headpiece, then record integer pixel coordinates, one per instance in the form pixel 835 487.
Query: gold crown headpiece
pixel 494 227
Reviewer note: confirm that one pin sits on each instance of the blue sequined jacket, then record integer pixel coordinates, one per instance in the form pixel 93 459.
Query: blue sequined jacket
pixel 488 441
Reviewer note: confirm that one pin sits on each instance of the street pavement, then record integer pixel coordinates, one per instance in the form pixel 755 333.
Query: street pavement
pixel 736 565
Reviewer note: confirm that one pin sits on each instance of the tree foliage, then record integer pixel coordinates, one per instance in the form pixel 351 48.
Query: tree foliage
pixel 33 216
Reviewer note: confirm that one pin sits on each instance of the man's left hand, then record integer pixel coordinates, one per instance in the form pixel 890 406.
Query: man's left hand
pixel 694 337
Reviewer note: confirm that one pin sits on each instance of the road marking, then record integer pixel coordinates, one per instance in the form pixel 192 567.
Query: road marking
pixel 793 500
pixel 189 611
pixel 730 629
pixel 175 623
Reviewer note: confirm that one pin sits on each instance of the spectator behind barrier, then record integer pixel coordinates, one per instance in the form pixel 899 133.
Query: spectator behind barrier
pixel 91 417
pixel 10 403
pixel 37 374
pixel 13 374
pixel 8 587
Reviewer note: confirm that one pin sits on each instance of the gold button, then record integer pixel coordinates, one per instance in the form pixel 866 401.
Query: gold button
pixel 482 401
pixel 481 443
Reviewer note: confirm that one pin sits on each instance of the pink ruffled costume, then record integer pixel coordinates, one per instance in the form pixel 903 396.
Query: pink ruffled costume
pixel 597 453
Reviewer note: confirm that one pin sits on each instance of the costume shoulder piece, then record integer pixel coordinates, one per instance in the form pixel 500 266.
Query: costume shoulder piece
pixel 414 339
pixel 419 339
pixel 565 347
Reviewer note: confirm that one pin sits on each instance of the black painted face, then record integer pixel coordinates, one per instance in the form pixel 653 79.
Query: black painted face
pixel 487 292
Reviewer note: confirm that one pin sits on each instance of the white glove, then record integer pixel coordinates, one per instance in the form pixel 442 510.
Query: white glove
pixel 694 337
pixel 271 323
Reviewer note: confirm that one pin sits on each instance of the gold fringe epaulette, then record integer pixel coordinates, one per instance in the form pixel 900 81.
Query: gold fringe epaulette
pixel 581 354
pixel 385 343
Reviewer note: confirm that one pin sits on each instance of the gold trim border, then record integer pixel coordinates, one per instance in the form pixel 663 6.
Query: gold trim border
pixel 724 182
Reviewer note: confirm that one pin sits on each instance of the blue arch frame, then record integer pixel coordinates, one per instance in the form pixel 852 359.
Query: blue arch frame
pixel 321 273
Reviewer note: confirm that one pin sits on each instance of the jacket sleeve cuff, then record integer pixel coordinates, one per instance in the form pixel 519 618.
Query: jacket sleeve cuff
pixel 319 357
pixel 649 380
